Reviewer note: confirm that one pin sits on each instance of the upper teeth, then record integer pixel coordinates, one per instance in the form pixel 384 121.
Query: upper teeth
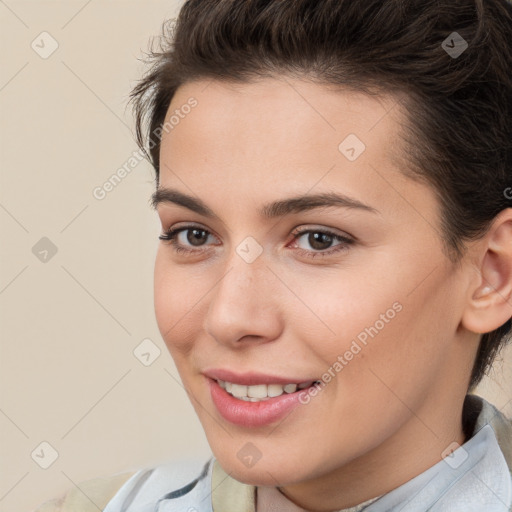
pixel 260 391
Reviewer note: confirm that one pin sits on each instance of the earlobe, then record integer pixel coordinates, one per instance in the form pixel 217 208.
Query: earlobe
pixel 490 302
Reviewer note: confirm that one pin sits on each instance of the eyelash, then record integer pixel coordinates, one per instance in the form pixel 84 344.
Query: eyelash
pixel 170 236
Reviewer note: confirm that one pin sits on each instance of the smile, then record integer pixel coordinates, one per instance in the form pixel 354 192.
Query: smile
pixel 254 411
pixel 261 392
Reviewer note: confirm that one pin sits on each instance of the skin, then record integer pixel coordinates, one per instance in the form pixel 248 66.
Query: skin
pixel 396 406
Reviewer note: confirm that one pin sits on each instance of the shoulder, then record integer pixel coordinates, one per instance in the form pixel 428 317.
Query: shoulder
pixel 89 496
pixel 485 413
pixel 181 481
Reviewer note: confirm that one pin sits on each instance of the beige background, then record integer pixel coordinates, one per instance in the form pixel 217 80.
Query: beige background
pixel 69 326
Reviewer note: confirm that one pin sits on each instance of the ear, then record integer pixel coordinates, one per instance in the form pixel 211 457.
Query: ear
pixel 490 294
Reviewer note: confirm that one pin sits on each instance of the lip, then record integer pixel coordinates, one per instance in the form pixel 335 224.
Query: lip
pixel 252 414
pixel 253 378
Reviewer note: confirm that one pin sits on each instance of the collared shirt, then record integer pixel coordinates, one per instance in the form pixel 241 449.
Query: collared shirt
pixel 475 478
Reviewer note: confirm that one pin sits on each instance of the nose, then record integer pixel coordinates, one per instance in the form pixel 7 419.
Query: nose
pixel 245 305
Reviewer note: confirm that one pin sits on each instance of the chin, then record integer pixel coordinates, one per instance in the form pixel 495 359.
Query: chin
pixel 260 476
pixel 269 472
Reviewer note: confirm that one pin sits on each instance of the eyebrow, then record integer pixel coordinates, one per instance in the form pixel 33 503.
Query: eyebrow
pixel 271 210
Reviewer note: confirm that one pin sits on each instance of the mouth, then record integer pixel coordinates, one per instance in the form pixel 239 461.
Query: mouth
pixel 255 399
pixel 262 392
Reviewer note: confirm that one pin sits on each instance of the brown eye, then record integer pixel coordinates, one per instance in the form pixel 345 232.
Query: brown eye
pixel 184 239
pixel 319 243
pixel 196 236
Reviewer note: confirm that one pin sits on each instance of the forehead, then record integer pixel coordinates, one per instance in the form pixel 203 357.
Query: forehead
pixel 248 143
pixel 280 122
pixel 275 102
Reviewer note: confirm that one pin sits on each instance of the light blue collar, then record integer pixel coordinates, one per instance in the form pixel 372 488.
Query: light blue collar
pixel 475 478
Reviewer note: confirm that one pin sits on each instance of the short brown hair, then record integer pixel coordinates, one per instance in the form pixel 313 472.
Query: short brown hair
pixel 458 137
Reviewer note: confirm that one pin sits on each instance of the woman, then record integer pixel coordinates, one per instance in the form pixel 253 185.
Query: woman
pixel 334 275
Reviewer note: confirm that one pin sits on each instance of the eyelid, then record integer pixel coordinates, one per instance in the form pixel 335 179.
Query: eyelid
pixel 305 228
pixel 175 230
pixel 345 240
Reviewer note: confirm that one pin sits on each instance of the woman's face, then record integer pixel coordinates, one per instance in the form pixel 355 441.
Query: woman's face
pixel 356 294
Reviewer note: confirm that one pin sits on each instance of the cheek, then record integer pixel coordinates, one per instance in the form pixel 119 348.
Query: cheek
pixel 178 305
pixel 346 309
pixel 375 327
pixel 403 356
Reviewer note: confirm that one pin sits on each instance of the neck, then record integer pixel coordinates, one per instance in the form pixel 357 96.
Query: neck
pixel 410 451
